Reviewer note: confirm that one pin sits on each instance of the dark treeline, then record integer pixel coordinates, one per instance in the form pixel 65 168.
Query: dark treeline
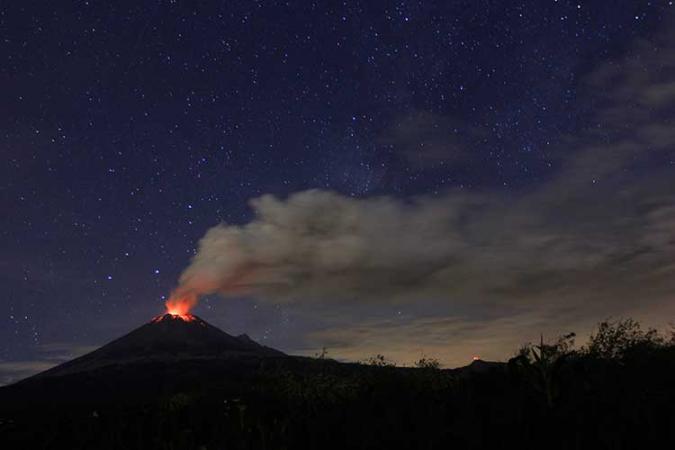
pixel 615 392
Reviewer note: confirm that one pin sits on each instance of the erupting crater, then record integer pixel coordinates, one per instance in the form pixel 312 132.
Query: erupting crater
pixel 170 338
pixel 178 308
pixel 175 316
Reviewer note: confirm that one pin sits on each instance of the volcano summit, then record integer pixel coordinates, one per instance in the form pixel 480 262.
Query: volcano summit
pixel 169 353
pixel 167 338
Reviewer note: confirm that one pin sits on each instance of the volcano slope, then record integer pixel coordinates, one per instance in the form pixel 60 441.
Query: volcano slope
pixel 168 349
pixel 168 338
pixel 180 383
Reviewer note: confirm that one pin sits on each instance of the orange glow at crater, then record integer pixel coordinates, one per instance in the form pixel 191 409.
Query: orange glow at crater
pixel 179 307
pixel 184 316
pixel 171 316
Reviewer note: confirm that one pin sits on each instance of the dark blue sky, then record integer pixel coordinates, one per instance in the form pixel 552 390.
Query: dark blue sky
pixel 128 129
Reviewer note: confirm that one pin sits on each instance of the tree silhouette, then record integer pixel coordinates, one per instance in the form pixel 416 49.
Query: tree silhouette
pixel 541 365
pixel 620 339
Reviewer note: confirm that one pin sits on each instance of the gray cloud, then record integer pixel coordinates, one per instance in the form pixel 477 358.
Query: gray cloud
pixel 455 339
pixel 11 371
pixel 426 139
pixel 46 356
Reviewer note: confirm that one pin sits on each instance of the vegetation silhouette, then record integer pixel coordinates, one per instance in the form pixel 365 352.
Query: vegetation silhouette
pixel 615 392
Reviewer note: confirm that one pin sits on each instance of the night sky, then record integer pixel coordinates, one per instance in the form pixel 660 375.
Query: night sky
pixel 458 177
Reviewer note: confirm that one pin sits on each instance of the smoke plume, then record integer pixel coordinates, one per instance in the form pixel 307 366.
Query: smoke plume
pixel 319 245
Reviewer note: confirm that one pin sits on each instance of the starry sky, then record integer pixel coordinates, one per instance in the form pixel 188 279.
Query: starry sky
pixel 507 168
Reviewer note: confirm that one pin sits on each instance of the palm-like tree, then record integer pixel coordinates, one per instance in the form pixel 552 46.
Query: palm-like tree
pixel 541 365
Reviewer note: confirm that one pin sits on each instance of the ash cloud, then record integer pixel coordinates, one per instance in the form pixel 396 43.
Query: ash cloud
pixel 318 246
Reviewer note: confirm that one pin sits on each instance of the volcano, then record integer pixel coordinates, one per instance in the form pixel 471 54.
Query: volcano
pixel 170 353
pixel 167 338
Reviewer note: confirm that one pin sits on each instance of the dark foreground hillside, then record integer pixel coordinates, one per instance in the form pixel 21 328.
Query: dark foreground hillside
pixel 617 393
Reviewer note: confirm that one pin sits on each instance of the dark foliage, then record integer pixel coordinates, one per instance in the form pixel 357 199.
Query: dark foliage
pixel 615 393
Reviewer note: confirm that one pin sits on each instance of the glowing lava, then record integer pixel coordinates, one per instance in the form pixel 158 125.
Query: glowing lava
pixel 179 308
pixel 178 315
pixel 173 315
